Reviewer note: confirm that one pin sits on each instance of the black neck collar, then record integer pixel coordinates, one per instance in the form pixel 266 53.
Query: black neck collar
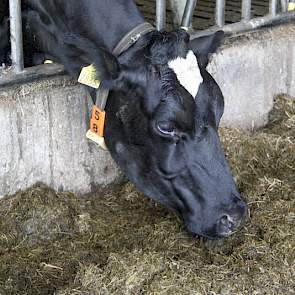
pixel 131 37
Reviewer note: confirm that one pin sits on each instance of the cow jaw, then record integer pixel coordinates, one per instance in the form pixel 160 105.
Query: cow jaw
pixel 188 72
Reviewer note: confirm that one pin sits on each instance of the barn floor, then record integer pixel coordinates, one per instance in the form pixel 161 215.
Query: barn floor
pixel 121 243
pixel 205 11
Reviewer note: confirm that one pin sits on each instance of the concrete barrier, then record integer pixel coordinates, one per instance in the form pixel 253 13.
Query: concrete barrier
pixel 42 138
pixel 43 123
pixel 251 70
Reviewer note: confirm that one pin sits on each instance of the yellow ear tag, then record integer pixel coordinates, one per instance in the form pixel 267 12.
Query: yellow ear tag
pixel 48 61
pixel 96 139
pixel 96 131
pixel 88 77
pixel 291 6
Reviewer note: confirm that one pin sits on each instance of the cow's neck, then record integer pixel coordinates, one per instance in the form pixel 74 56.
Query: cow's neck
pixel 118 21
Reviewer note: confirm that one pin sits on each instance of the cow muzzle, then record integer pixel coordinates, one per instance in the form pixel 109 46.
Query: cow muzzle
pixel 227 222
pixel 230 220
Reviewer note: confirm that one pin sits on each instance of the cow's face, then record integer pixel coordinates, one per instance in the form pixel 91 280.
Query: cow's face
pixel 162 132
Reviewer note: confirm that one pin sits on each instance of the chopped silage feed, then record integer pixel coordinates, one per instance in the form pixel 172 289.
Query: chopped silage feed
pixel 122 243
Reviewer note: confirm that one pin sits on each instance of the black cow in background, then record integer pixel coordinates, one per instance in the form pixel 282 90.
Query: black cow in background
pixel 4 33
pixel 32 56
pixel 160 130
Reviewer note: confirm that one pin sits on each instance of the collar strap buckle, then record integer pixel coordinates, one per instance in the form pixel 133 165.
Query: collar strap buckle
pixel 132 37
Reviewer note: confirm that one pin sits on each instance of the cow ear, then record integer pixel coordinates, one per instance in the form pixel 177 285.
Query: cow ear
pixel 86 52
pixel 204 46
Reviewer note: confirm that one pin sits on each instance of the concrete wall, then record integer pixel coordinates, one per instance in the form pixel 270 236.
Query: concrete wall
pixel 251 70
pixel 42 138
pixel 43 123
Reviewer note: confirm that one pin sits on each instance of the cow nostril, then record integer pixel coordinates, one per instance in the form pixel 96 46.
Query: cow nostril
pixel 227 221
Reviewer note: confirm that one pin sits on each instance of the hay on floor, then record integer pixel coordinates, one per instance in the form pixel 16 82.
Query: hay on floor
pixel 121 243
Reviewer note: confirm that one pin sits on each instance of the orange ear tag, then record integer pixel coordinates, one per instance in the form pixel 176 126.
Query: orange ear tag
pixel 96 131
pixel 97 121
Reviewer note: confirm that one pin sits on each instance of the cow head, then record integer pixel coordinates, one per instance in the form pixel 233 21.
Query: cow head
pixel 161 129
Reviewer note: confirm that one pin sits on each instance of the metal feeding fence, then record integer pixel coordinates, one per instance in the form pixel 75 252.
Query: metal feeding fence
pixel 232 16
pixel 276 12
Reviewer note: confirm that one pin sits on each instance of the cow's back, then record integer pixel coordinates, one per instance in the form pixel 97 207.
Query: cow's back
pixel 102 21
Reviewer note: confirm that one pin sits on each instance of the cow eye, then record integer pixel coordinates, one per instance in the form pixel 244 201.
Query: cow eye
pixel 166 127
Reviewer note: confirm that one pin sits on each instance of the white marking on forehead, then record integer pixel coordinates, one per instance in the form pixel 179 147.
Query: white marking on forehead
pixel 188 72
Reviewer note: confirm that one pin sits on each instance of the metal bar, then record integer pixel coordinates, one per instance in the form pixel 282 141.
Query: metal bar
pixel 219 13
pixel 284 5
pixel 253 24
pixel 161 15
pixel 246 10
pixel 273 7
pixel 16 35
pixel 188 13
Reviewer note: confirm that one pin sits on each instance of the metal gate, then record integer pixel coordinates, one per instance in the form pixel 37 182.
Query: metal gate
pixel 276 13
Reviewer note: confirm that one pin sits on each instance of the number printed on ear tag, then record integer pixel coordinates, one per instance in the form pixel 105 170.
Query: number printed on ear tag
pixel 97 121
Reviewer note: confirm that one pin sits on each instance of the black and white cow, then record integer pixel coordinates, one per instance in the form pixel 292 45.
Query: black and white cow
pixel 163 109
